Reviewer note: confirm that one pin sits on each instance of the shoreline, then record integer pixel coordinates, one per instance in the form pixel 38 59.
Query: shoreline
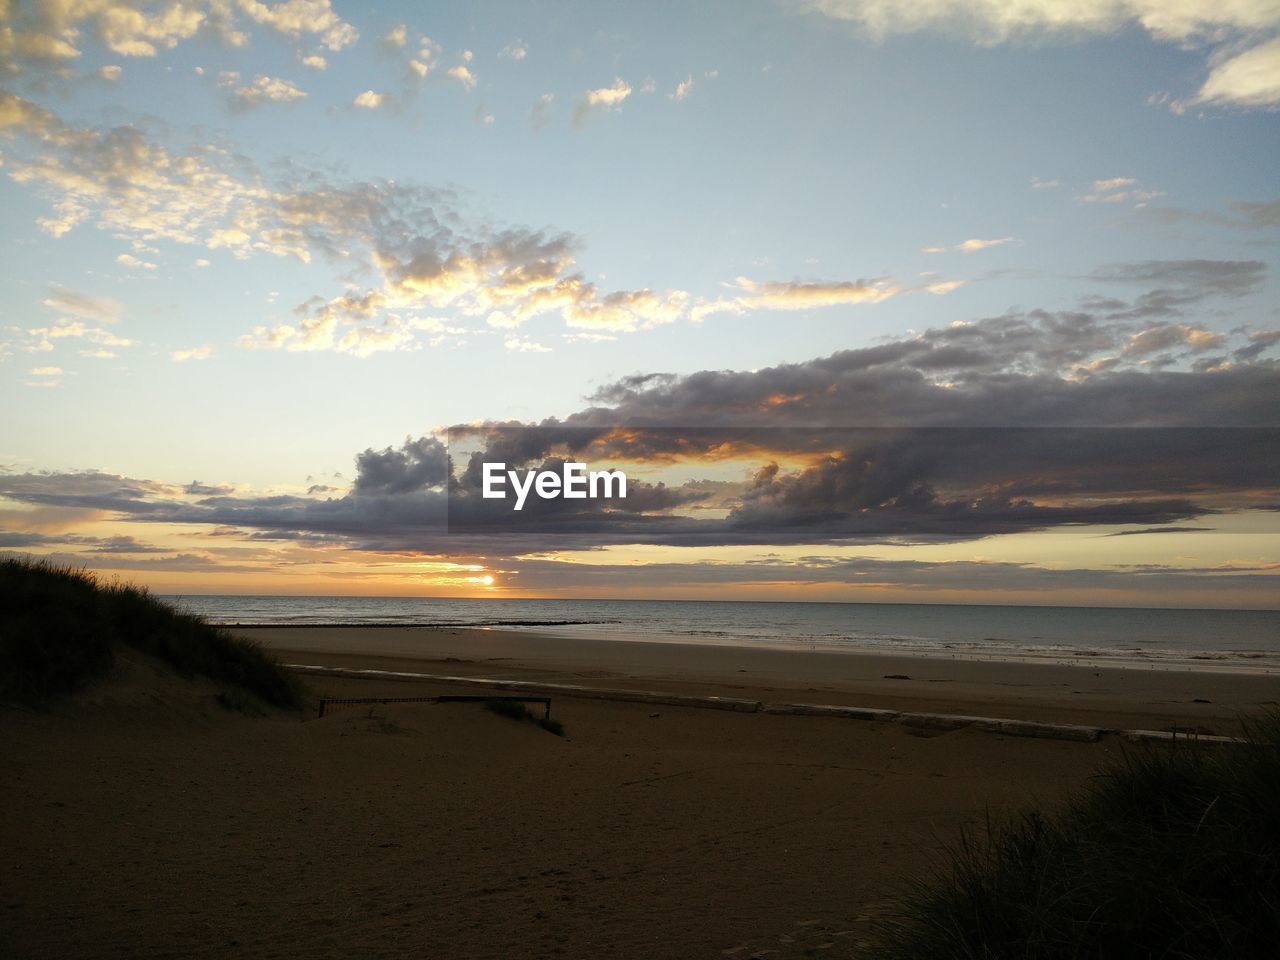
pixel 1245 662
pixel 1205 700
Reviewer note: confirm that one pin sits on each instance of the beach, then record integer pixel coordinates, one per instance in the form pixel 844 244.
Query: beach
pixel 1205 697
pixel 156 823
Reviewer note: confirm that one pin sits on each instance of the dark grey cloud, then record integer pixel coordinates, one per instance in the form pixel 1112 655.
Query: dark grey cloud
pixel 1023 369
pixel 925 576
pixel 417 465
pixel 1231 278
pixel 1138 533
pixel 1259 341
pixel 1241 215
pixel 1026 421
pixel 896 485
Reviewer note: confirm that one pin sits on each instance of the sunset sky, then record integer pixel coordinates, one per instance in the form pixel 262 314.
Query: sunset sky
pixel 259 257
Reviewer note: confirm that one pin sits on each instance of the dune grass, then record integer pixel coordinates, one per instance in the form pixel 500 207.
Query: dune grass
pixel 61 627
pixel 1172 852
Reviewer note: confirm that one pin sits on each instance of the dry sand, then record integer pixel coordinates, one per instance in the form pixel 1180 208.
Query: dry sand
pixel 143 820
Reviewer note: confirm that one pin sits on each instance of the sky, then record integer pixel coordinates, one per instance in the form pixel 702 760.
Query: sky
pixel 928 301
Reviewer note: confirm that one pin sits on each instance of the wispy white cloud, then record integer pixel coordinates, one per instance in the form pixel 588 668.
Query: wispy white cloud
pixel 975 244
pixel 1243 79
pixel 99 309
pixel 266 89
pixel 518 344
pixel 462 73
pixel 602 99
pixel 129 260
pixel 791 295
pixel 540 112
pixel 396 37
pixel 972 245
pixel 1119 190
pixel 50 36
pixel 1248 79
pixel 195 353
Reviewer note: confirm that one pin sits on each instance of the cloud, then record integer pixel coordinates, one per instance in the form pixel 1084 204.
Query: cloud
pixel 1259 342
pixel 515 50
pixel 266 89
pixel 797 295
pixel 682 90
pixel 42 339
pixel 396 37
pixel 1119 190
pixel 463 75
pixel 1039 184
pixel 134 186
pixel 881 486
pixel 370 100
pixel 517 344
pixel 993 428
pixel 418 465
pixel 298 18
pixel 195 353
pixel 315 62
pixel 1244 79
pixel 129 260
pixel 974 245
pixel 602 99
pixel 1167 336
pixel 1195 279
pixel 412 238
pixel 110 73
pixel 969 246
pixel 1249 79
pixel 1000 22
pixel 65 300
pixel 46 36
pixel 540 112
pixel 1036 368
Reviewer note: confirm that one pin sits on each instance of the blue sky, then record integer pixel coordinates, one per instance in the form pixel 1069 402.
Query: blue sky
pixel 722 186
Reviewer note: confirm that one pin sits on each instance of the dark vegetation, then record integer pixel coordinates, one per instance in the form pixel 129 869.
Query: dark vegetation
pixel 60 628
pixel 518 711
pixel 1172 852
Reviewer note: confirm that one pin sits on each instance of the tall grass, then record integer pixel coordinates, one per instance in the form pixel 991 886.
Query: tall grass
pixel 1172 852
pixel 60 628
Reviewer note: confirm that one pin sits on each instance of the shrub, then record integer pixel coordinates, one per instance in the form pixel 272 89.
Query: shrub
pixel 60 628
pixel 1174 851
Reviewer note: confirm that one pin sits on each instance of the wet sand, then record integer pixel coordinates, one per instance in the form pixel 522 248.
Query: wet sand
pixel 1207 700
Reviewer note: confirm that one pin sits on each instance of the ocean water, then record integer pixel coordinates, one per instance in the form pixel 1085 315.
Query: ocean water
pixel 1238 638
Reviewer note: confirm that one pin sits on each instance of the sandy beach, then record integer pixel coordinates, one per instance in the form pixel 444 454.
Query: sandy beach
pixel 445 830
pixel 1206 700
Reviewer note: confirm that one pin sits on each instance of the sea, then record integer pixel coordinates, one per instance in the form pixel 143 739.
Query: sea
pixel 1225 639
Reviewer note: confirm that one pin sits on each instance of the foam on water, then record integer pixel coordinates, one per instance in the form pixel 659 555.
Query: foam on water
pixel 1242 637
